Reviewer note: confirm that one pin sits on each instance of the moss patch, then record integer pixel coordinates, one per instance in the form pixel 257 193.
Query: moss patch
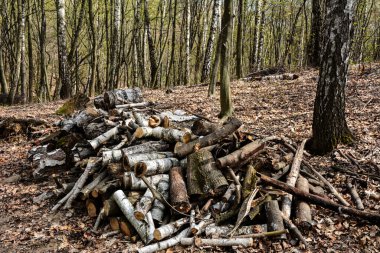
pixel 78 102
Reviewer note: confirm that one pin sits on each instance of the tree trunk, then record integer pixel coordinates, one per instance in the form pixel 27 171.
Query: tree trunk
pixel 43 88
pixel 260 37
pixel 64 88
pixel 313 52
pixel 152 50
pixel 115 45
pixel 225 42
pixel 91 15
pixel 329 122
pixel 187 42
pixel 30 59
pixel 239 40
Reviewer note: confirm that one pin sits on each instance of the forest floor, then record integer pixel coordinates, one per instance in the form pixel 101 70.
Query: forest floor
pixel 283 108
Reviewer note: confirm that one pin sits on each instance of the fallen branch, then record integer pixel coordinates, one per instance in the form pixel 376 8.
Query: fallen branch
pixel 200 242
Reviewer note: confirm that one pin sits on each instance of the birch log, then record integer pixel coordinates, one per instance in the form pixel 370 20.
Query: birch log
pixel 98 141
pixel 130 160
pixel 274 218
pixel 167 134
pixel 158 208
pixel 292 179
pixel 303 211
pixel 355 196
pixel 214 230
pixel 140 120
pixel 143 205
pixel 85 192
pixel 113 156
pixel 165 244
pixel 169 229
pixel 153 167
pixel 130 181
pixel 178 192
pixel 201 242
pixel 45 162
pixel 127 209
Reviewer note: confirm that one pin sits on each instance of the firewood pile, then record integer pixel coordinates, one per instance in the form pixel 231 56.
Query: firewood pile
pixel 169 178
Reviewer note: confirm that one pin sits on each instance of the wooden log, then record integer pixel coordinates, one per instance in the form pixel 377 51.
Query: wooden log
pixel 110 208
pixel 293 228
pixel 98 220
pixel 158 120
pixel 292 179
pixel 241 155
pixel 203 177
pixel 203 127
pixel 125 228
pixel 169 229
pixel 158 208
pixel 127 209
pixel 139 119
pixel 85 192
pixel 250 180
pixel 134 105
pixel 355 196
pixel 130 181
pixel 182 150
pixel 131 160
pixel 113 156
pixel 372 217
pixel 178 192
pixel 303 211
pixel 214 230
pixel 167 134
pixel 274 219
pixel 101 139
pixel 199 228
pixel 116 170
pixel 49 161
pixel 153 167
pixel 162 245
pixel 114 223
pixel 144 205
pixel 317 190
pixel 223 242
pixel 95 129
pixel 91 208
pixel 122 96
pixel 84 117
pixel 103 186
pixel 264 234
pixel 178 116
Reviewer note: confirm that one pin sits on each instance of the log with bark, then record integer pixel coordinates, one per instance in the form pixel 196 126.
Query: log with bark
pixel 129 161
pixel 167 134
pixel 144 205
pixel 303 211
pixel 203 127
pixel 130 181
pixel 178 192
pixel 201 242
pixel 169 229
pixel 45 162
pixel 274 218
pixel 118 97
pixel 158 208
pixel 182 150
pixel 153 167
pixel 203 177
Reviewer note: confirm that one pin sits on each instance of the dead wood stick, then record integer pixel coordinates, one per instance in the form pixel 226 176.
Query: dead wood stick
pixel 239 156
pixel 292 179
pixel 91 164
pixel 372 217
pixel 108 234
pixel 355 196
pixel 169 229
pixel 165 244
pixel 197 229
pixel 98 141
pixel 134 105
pixel 178 192
pixel 144 205
pixel 281 173
pixel 223 242
pixel 127 209
pixel 131 160
pixel 237 186
pixel 294 229
pixel 265 234
pixel 182 150
pixel 98 220
pixel 274 219
pixel 158 207
pixel 214 230
pixel 85 192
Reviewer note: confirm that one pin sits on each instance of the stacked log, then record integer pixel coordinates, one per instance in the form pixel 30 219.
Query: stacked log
pixel 145 174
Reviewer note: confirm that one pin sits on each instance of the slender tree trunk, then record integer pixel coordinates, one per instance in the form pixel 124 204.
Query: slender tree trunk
pixel 260 43
pixel 42 89
pixel 22 52
pixel 3 81
pixel 187 42
pixel 252 60
pixel 20 38
pixel 64 88
pixel 210 41
pixel 30 58
pixel 329 122
pixel 239 40
pixel 91 88
pixel 115 44
pixel 172 53
pixel 152 50
pixel 225 42
pixel 313 52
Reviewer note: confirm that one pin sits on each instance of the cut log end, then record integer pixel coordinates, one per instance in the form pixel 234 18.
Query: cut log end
pixel 140 169
pixel 139 215
pixel 157 235
pixel 139 133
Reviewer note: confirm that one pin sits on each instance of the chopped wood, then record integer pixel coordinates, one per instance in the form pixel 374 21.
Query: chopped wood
pixel 153 167
pixel 131 160
pixel 85 192
pixel 203 177
pixel 121 96
pixel 250 181
pixel 158 208
pixel 303 211
pixel 130 181
pixel 274 218
pixel 201 242
pixel 178 192
pixel 140 120
pixel 241 155
pixel 144 205
pixel 292 178
pixel 98 141
pixel 110 208
pixel 355 196
pixel 127 209
pixel 372 217
pixel 91 208
pixel 169 229
pixel 214 230
pixel 162 245
pixel 44 162
pixel 182 150
pixel 203 127
pixel 264 234
pixel 167 134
